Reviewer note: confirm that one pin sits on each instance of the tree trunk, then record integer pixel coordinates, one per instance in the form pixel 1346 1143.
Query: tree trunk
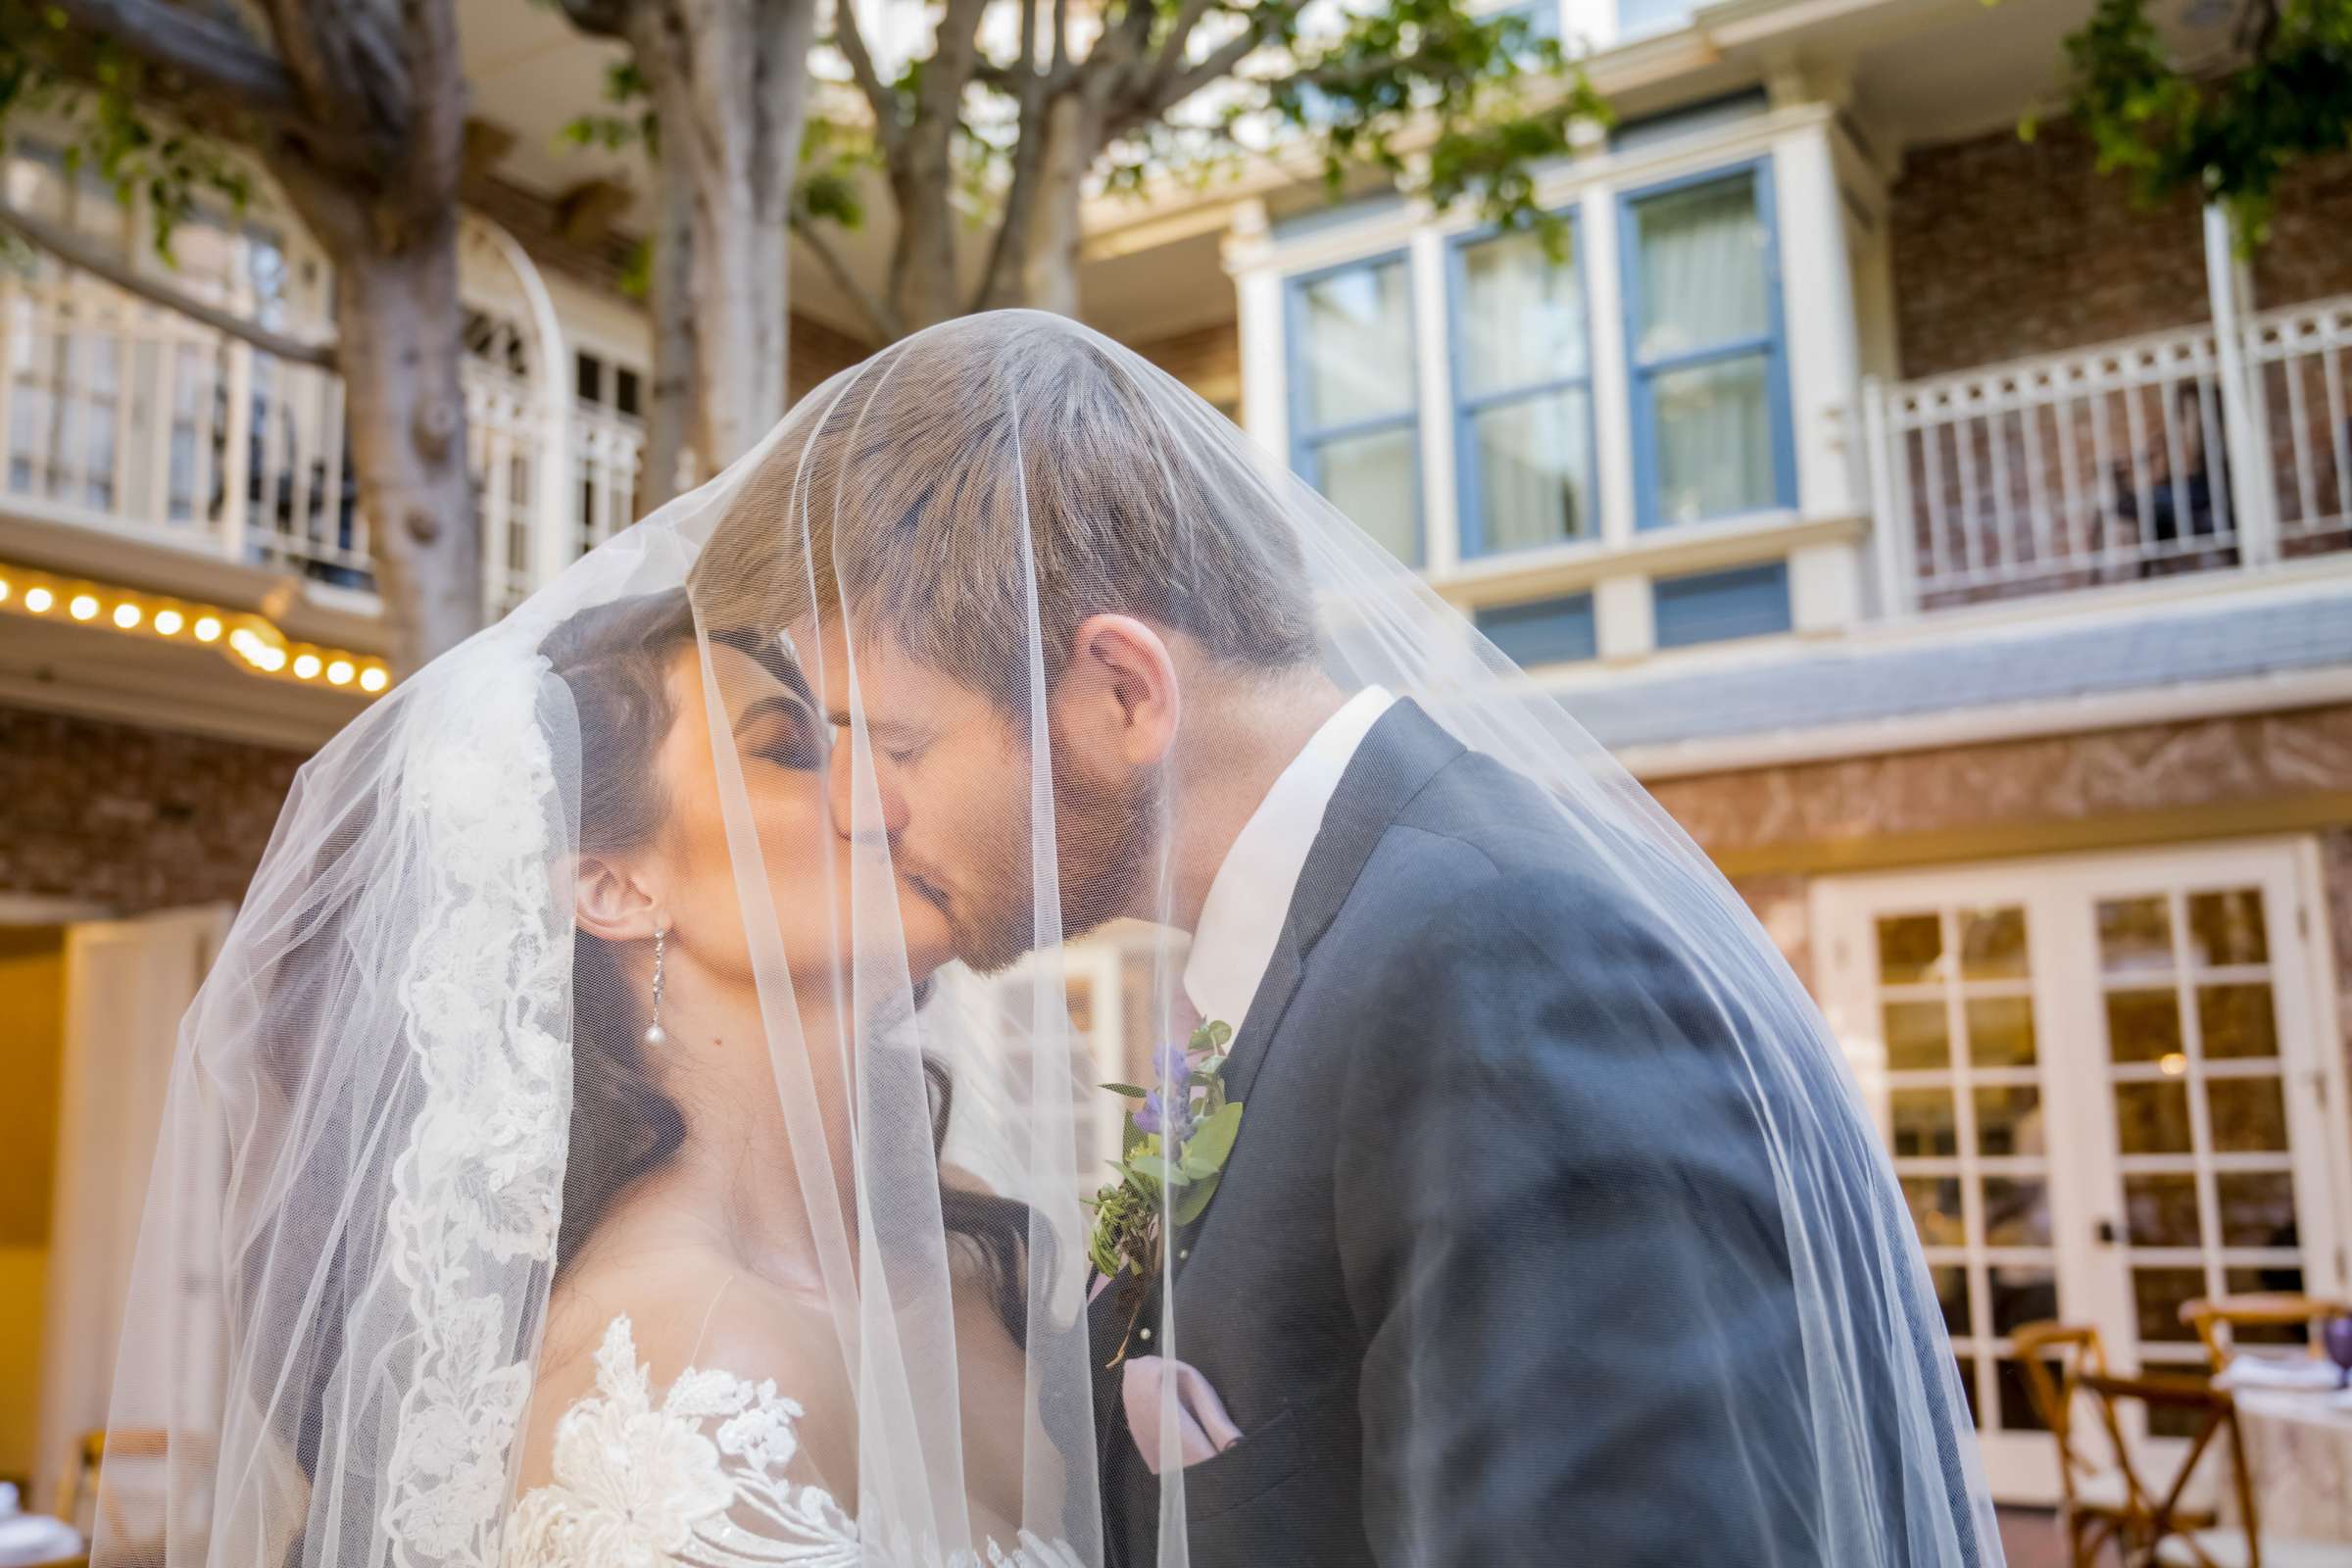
pixel 1049 271
pixel 732 79
pixel 922 264
pixel 670 424
pixel 399 353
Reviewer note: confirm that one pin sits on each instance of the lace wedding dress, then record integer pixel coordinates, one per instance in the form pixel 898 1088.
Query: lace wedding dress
pixel 702 1479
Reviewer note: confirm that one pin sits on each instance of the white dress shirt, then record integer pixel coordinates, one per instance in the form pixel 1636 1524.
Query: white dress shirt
pixel 1242 918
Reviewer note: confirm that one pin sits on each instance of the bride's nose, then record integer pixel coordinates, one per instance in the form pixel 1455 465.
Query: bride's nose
pixel 854 800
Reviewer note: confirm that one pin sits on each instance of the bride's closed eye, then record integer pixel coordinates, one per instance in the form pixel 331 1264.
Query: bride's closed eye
pixel 784 731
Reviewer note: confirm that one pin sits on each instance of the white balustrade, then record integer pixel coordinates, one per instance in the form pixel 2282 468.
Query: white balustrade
pixel 2110 464
pixel 128 417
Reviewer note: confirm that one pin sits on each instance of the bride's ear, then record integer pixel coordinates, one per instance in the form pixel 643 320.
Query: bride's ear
pixel 611 900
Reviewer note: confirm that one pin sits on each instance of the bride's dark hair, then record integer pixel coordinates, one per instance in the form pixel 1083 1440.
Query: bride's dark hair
pixel 616 660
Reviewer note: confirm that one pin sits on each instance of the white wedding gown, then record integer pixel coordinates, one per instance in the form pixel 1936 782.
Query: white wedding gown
pixel 701 1481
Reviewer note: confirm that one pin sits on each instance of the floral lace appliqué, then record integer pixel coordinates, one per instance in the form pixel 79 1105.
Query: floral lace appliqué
pixel 697 1481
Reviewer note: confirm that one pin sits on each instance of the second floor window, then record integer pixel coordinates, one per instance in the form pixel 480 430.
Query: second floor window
pixel 1523 395
pixel 1710 405
pixel 1638 17
pixel 1353 411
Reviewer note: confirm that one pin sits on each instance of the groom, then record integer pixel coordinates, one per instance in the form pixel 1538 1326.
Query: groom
pixel 1496 1272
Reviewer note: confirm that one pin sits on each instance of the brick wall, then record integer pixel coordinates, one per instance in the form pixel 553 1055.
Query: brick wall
pixel 1208 359
pixel 2005 248
pixel 129 818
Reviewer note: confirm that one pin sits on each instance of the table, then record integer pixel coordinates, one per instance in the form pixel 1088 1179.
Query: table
pixel 2299 1455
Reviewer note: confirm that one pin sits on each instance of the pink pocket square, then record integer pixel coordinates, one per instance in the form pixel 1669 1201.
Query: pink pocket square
pixel 1202 1428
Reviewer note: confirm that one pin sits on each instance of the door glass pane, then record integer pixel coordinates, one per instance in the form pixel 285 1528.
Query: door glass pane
pixel 1952 1294
pixel 1908 947
pixel 2236 1020
pixel 1701 256
pixel 1522 315
pixel 1935 1209
pixel 1917 1037
pixel 1925 1122
pixel 1713 432
pixel 2248 1114
pixel 2152 1118
pixel 2009 1120
pixel 2142 1025
pixel 1535 470
pixel 2018 1411
pixel 2158 1294
pixel 2257 1208
pixel 2000 1031
pixel 2136 934
pixel 2225 928
pixel 2021 1293
pixel 1355 344
pixel 1993 944
pixel 2161 1211
pixel 2016 1211
pixel 1373 480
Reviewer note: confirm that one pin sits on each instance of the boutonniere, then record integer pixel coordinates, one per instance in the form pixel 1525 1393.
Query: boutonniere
pixel 1171 1153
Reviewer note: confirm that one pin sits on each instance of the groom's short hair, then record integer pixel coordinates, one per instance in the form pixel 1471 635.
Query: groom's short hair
pixel 901 492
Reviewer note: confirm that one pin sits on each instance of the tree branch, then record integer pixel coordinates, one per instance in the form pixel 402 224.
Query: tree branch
pixel 877 312
pixel 1171 49
pixel 885 105
pixel 85 255
pixel 216 61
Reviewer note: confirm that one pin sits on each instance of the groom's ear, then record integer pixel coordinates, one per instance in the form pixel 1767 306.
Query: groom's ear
pixel 610 901
pixel 1117 697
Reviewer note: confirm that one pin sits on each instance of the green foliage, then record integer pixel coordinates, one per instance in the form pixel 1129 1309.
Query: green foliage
pixel 2228 136
pixel 96 94
pixel 1169 1162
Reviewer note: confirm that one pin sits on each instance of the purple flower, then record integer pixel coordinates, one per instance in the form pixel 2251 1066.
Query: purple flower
pixel 1171 1066
pixel 1153 1117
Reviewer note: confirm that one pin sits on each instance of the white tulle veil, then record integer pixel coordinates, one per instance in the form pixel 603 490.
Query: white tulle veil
pixel 402 1071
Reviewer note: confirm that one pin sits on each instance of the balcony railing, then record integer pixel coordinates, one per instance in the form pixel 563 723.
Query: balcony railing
pixel 2133 459
pixel 125 417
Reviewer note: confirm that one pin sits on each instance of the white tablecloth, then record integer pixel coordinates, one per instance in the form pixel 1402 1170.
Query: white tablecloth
pixel 2299 1452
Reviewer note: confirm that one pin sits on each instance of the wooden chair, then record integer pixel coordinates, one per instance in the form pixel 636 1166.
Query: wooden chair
pixel 2164 1531
pixel 81 1482
pixel 2210 1317
pixel 2092 1503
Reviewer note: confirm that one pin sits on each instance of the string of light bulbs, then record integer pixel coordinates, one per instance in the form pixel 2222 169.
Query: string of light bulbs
pixel 248 639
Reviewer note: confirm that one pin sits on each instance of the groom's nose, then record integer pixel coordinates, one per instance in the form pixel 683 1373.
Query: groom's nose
pixel 849 820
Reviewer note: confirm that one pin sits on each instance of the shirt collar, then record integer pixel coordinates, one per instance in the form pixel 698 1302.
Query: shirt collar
pixel 1250 898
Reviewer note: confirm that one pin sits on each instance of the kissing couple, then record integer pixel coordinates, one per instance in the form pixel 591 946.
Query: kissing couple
pixel 999 986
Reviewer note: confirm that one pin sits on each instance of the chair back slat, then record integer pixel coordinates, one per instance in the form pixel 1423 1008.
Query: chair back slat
pixel 2163 1513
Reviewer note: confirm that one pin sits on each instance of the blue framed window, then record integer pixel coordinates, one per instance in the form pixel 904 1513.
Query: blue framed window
pixel 1714 606
pixel 1522 393
pixel 1638 17
pixel 1712 434
pixel 1356 431
pixel 1547 631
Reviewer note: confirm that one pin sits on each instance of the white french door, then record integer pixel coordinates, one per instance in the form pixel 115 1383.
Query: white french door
pixel 2111 1085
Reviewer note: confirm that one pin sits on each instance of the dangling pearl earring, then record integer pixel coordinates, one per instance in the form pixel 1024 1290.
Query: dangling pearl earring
pixel 656 1037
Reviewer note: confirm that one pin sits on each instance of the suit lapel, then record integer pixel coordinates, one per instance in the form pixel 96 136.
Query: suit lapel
pixel 1399 754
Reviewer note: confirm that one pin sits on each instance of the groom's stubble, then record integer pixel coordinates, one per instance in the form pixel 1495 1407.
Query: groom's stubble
pixel 1105 830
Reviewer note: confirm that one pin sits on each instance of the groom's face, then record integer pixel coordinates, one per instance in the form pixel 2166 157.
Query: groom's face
pixel 947 774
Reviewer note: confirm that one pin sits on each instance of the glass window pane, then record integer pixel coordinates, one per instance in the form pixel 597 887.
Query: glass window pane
pixel 1713 431
pixel 1523 315
pixel 2019 1413
pixel 1701 255
pixel 2161 1211
pixel 2000 1031
pixel 2158 1294
pixel 2017 1212
pixel 2152 1118
pixel 2236 1020
pixel 1952 1294
pixel 2009 1120
pixel 1993 944
pixel 1908 947
pixel 1917 1040
pixel 1374 480
pixel 1356 345
pixel 2248 1114
pixel 1535 470
pixel 2142 1025
pixel 1925 1121
pixel 2134 934
pixel 2258 1207
pixel 2227 928
pixel 1650 15
pixel 2021 1293
pixel 1935 1209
